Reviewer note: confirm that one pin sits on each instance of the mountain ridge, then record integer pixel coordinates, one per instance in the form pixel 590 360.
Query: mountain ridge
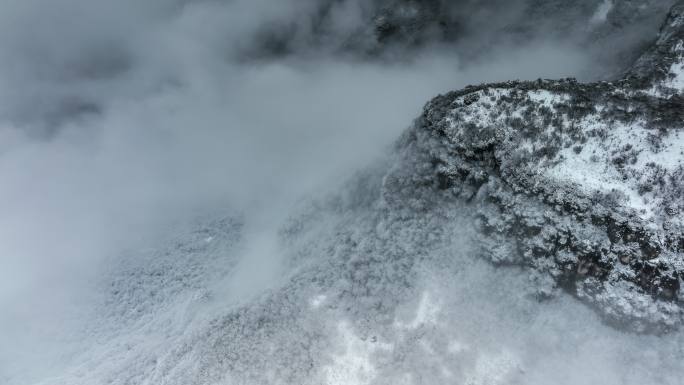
pixel 604 225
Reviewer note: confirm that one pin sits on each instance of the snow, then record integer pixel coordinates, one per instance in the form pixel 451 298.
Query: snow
pixel 465 322
pixel 353 365
pixel 479 111
pixel 493 369
pixel 624 166
pixel 592 169
pixel 676 72
pixel 546 98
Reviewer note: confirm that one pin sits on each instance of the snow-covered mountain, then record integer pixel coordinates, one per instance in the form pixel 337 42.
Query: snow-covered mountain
pixel 524 232
pixel 581 182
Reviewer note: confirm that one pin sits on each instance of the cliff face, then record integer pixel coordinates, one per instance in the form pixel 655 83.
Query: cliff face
pixel 581 183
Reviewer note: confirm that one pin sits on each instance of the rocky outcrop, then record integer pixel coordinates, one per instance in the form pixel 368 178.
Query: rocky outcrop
pixel 581 183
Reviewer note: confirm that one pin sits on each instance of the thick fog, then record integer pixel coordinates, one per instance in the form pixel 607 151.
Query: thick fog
pixel 121 120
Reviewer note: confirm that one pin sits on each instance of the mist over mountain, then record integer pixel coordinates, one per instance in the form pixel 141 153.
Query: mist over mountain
pixel 314 192
pixel 73 58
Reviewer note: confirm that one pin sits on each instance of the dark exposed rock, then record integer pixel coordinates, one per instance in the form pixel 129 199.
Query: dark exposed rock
pixel 581 183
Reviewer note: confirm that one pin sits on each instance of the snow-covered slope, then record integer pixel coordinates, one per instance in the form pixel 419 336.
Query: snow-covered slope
pixel 374 287
pixel 583 183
